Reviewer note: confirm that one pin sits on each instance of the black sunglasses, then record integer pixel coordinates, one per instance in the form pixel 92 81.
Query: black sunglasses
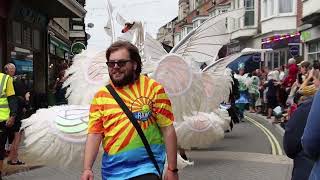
pixel 120 63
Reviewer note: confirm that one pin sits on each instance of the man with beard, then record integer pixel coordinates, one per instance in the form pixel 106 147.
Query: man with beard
pixel 125 156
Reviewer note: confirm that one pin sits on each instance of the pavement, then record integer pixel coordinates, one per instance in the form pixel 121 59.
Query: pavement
pixel 246 153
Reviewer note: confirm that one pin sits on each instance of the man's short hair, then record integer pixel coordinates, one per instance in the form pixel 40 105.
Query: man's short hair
pixel 132 49
pixel 9 65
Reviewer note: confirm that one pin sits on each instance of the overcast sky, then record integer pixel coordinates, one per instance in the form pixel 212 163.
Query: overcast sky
pixel 155 13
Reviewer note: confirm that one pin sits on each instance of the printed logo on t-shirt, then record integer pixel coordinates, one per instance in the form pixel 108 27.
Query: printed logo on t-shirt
pixel 142 108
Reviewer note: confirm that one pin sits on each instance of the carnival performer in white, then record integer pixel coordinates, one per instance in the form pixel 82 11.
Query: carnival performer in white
pixel 58 138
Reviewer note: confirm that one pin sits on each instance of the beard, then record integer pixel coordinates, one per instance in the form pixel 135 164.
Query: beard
pixel 126 80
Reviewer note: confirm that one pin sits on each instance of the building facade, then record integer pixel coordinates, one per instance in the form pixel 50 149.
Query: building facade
pixel 165 33
pixel 30 27
pixel 310 30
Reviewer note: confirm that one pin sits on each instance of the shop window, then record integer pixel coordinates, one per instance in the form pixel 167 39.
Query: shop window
pixel 17 35
pixel 60 53
pixel 283 57
pixel 313 47
pixel 52 49
pixel 36 40
pixel 314 51
pixel 275 60
pixel 312 57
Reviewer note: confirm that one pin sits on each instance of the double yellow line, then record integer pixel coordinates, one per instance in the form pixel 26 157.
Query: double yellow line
pixel 275 145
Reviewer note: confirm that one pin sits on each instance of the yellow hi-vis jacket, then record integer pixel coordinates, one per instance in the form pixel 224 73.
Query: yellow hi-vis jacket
pixel 4 105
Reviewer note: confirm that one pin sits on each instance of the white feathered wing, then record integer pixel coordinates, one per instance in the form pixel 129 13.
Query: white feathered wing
pixel 86 75
pixel 56 136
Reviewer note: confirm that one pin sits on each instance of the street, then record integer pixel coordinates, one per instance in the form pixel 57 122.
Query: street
pixel 246 153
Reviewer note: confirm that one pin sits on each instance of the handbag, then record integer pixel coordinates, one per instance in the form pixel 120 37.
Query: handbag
pixel 136 125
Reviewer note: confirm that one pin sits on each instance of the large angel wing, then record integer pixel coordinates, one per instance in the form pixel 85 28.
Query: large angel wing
pixel 56 136
pixel 212 76
pixel 86 75
pixel 153 51
pixel 182 85
pixel 203 43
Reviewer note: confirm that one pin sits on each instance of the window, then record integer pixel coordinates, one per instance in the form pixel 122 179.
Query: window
pixel 271 8
pixel 249 14
pixel 36 39
pixel 77 27
pixel 176 38
pixel 27 36
pixel 283 57
pixel 265 8
pixel 192 5
pixel 52 49
pixel 17 32
pixel 314 51
pixel 276 59
pixel 189 29
pixel 285 6
pixel 275 7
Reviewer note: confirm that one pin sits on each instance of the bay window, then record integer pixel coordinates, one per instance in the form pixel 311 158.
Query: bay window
pixel 272 8
pixel 285 6
pixel 249 14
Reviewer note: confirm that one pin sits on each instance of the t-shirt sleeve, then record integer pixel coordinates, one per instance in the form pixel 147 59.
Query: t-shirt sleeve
pixel 10 88
pixel 95 125
pixel 163 109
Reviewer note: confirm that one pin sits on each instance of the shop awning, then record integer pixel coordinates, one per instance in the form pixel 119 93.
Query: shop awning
pixel 57 8
pixel 251 62
pixel 313 18
pixel 59 43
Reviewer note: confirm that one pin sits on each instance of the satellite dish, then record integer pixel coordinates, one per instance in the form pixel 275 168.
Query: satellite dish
pixel 90 25
pixel 88 36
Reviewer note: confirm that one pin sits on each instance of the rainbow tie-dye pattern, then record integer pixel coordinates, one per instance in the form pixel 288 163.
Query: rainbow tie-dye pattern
pixel 125 155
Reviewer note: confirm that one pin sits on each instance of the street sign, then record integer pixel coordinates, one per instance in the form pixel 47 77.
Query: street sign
pixel 294 49
pixel 77 48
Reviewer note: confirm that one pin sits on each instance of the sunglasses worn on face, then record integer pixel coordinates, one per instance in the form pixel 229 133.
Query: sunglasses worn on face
pixel 120 63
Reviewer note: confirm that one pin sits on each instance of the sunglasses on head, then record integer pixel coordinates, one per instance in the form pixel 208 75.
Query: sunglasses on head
pixel 119 63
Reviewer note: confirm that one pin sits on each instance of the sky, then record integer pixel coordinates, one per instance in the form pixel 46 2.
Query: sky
pixel 154 13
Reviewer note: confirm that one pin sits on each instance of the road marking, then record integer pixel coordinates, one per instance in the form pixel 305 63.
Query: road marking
pixel 275 145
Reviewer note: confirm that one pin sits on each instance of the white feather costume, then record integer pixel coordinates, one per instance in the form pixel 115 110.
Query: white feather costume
pixel 194 95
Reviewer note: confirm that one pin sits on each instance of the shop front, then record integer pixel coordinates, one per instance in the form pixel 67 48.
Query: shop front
pixel 285 46
pixel 311 39
pixel 26 47
pixel 3 31
pixel 27 43
pixel 59 60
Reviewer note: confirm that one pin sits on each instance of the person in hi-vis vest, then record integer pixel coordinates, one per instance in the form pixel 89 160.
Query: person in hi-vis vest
pixel 8 110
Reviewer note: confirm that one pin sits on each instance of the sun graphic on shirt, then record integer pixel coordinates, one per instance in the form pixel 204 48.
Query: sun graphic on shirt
pixel 145 108
pixel 142 108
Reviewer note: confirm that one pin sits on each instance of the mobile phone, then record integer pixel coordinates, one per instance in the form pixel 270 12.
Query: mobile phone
pixel 300 78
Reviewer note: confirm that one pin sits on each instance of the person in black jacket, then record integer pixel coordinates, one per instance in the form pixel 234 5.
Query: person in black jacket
pixel 302 165
pixel 233 111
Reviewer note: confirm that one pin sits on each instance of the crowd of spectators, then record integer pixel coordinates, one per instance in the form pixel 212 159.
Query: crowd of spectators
pixel 277 93
pixel 290 94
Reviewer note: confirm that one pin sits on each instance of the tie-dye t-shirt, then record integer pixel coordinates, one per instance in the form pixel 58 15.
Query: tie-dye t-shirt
pixel 125 155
